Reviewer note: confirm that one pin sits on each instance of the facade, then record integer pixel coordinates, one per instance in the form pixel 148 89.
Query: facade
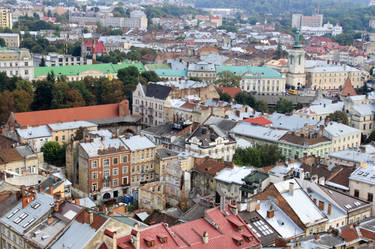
pixel 320 111
pixel 211 142
pixel 343 137
pixel 55 59
pixel 6 20
pixel 142 162
pixel 299 20
pixel 103 168
pixel 262 80
pixel 35 137
pixel 296 76
pixel 12 41
pixel 294 146
pixel 64 132
pixel 17 63
pixel 333 77
pixel 148 101
pixel 362 185
pixel 21 160
pixel 202 70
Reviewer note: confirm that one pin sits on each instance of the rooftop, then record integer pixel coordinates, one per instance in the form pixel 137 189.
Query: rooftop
pixel 70 125
pixel 258 132
pixel 138 142
pixel 233 175
pixel 251 72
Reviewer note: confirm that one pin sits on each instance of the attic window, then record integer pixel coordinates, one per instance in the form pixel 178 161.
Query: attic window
pixel 248 238
pixel 163 239
pixel 238 240
pixel 149 241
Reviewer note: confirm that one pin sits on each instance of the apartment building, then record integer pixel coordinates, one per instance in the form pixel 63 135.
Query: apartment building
pixel 262 80
pixel 17 63
pixel 103 168
pixel 21 160
pixel 6 20
pixel 142 162
pixel 64 132
pixel 343 137
pixel 202 70
pixel 55 59
pixel 148 101
pixel 12 41
pixel 362 185
pixel 299 20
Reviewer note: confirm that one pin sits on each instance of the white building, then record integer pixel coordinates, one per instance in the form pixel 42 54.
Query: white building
pixel 343 137
pixel 36 137
pixel 17 63
pixel 55 59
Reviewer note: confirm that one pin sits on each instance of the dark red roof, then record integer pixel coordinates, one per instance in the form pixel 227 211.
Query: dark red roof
pixel 69 114
pixel 348 89
pixel 349 234
pixel 99 47
pixel 259 121
pixel 232 91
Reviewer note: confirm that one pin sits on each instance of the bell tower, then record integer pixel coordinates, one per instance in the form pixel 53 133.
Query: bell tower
pixel 296 76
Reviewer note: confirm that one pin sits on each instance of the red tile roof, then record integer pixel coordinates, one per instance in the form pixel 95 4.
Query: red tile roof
pixel 348 89
pixel 232 91
pixel 223 234
pixel 99 47
pixel 68 115
pixel 259 121
pixel 367 234
pixel 349 234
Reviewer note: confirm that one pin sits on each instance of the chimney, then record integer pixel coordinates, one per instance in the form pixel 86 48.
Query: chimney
pixel 3 131
pixel 314 200
pixel 205 237
pixel 222 203
pixel 56 207
pixel 40 189
pixel 291 188
pixel 251 205
pixel 270 212
pixel 317 236
pixel 25 201
pixel 238 113
pixel 114 239
pixel 321 205
pixel 50 220
pixel 257 207
pixel 329 208
pixel 51 190
pixel 77 201
pixel 91 217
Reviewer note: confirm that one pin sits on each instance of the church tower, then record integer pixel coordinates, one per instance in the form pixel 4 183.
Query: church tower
pixel 296 76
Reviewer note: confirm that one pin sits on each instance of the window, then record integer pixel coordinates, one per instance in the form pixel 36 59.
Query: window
pixel 94 164
pixel 115 172
pixel 125 159
pixel 115 160
pixel 106 162
pixel 370 197
pixel 94 175
pixel 356 193
pixel 114 183
pixel 125 169
pixel 56 138
pixel 63 137
pixel 125 180
pixel 94 187
pixel 106 173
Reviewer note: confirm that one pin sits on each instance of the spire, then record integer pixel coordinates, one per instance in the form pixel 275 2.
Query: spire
pixel 297 40
pixel 348 89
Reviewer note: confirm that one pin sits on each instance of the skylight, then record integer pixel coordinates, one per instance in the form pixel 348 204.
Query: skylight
pixel 13 213
pixel 29 222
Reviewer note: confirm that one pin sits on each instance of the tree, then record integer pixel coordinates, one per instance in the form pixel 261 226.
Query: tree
pixel 228 79
pixel 112 92
pixel 195 79
pixel 129 77
pixel 339 116
pixel 262 106
pixel 245 99
pixel 150 76
pixel 2 42
pixel 6 105
pixel 299 106
pixel 74 98
pixel 43 95
pixel 284 106
pixel 80 133
pixel 22 100
pixel 54 153
pixel 224 96
pixel 258 156
pixel 42 62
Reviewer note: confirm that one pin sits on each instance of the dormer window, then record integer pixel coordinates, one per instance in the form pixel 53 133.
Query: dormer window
pixel 162 238
pixel 247 238
pixel 238 240
pixel 150 242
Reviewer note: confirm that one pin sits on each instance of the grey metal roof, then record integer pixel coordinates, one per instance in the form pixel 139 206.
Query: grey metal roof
pixel 29 215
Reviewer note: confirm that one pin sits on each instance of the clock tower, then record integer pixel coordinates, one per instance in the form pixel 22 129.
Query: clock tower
pixel 296 76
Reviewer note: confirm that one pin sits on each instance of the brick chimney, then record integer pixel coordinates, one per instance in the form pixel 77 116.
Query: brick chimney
pixel 26 200
pixel 321 205
pixel 329 209
pixel 51 190
pixel 91 218
pixel 50 220
pixel 270 212
pixel 205 237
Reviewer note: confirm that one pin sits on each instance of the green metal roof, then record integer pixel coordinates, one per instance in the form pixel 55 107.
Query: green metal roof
pixel 250 72
pixel 247 188
pixel 171 72
pixel 255 177
pixel 106 68
pixel 157 66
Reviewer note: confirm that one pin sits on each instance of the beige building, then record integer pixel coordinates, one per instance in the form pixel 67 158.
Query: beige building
pixel 362 185
pixel 12 41
pixel 17 63
pixel 296 76
pixel 142 162
pixel 6 20
pixel 343 137
pixel 64 132
pixel 202 70
pixel 333 77
pixel 151 196
pixel 20 161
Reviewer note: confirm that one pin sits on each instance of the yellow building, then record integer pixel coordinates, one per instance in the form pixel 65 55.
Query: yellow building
pixel 63 132
pixel 6 18
pixel 333 77
pixel 142 162
pixel 343 137
pixel 20 160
